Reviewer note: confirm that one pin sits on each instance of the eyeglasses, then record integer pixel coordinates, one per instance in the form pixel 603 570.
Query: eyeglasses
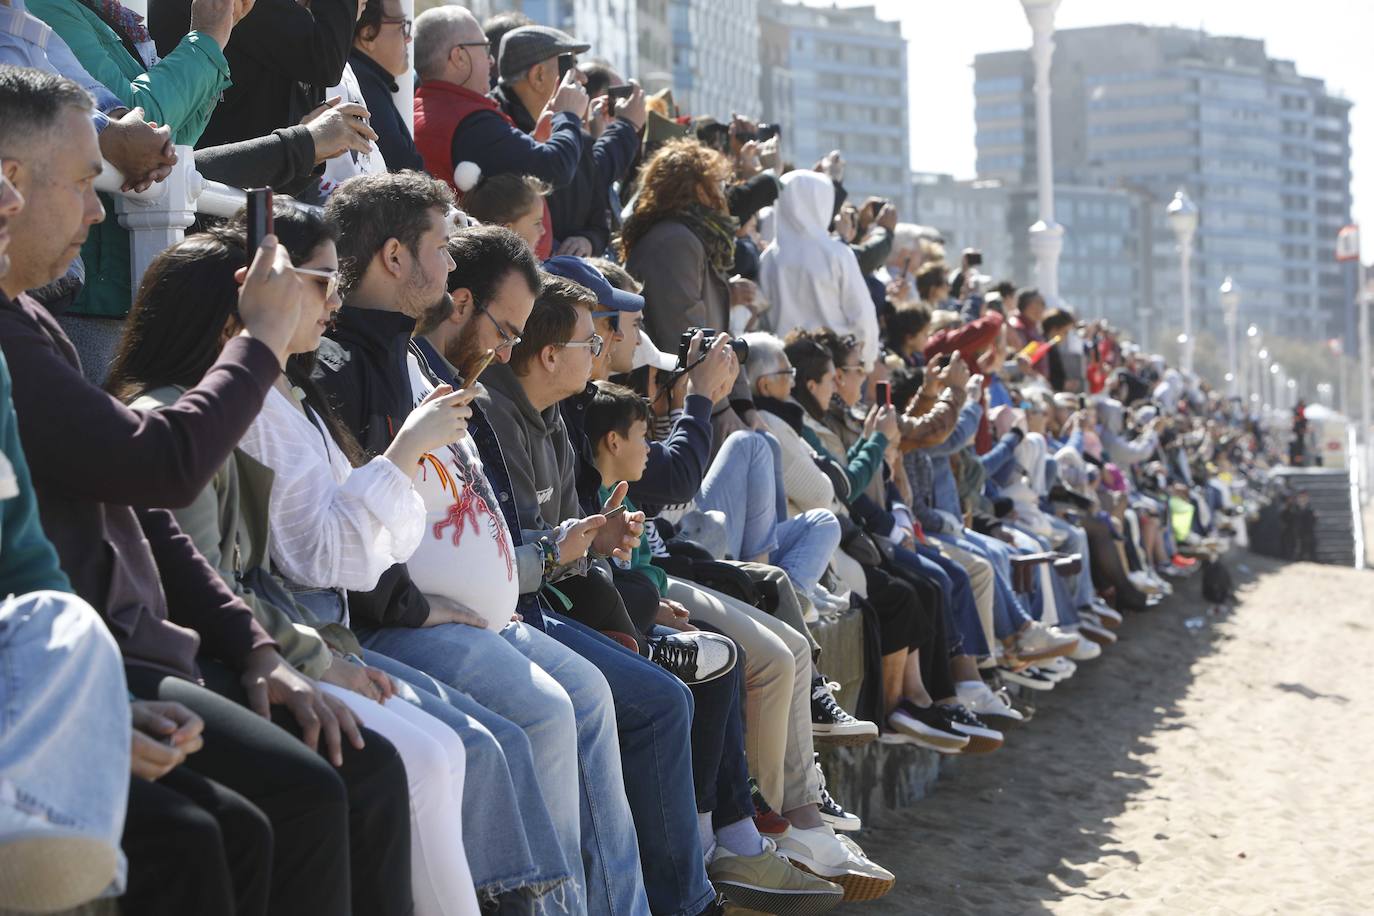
pixel 508 341
pixel 475 44
pixel 790 373
pixel 593 343
pixel 405 22
pixel 330 278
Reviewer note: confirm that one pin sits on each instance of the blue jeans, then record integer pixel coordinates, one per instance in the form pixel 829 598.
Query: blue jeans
pixel 64 724
pixel 501 788
pixel 481 664
pixel 653 715
pixel 1077 542
pixel 964 632
pixel 744 482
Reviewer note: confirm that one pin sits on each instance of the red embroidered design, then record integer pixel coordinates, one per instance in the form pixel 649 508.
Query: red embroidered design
pixel 469 506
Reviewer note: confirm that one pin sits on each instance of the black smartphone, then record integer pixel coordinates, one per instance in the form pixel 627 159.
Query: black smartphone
pixel 768 132
pixel 975 259
pixel 565 63
pixel 259 218
pixel 616 93
pixel 882 392
pixel 612 513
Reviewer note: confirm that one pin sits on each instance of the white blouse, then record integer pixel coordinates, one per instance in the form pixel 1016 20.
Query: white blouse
pixel 332 525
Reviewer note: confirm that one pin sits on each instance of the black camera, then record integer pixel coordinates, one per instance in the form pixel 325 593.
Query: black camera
pixel 684 343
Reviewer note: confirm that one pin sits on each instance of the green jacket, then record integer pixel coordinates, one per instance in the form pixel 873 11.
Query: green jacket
pixel 228 524
pixel 181 91
pixel 641 558
pixel 28 562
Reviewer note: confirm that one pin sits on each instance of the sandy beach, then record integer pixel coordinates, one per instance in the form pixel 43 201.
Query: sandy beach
pixel 1220 768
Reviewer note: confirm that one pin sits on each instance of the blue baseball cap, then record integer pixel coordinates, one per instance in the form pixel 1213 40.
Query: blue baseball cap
pixel 607 296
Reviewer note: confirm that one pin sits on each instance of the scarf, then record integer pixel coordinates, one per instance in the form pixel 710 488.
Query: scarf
pixel 790 412
pixel 128 25
pixel 716 231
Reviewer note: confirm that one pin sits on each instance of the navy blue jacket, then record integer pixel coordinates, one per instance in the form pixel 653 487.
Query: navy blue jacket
pixel 393 138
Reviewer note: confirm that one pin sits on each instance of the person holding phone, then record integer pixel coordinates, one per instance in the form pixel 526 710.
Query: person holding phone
pixel 542 138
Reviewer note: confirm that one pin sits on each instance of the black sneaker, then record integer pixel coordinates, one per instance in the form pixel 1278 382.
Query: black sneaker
pixel 1031 677
pixel 830 724
pixel 981 738
pixel 927 727
pixel 831 811
pixel 694 657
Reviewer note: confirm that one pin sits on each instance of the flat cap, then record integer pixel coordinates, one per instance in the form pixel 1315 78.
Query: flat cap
pixel 528 45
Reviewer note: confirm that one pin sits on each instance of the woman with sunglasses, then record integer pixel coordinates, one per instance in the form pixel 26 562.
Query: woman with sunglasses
pixel 291 472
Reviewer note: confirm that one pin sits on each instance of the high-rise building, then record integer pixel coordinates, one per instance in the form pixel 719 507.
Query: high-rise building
pixel 836 78
pixel 1103 268
pixel 1263 151
pixel 654 69
pixel 715 46
pixel 609 26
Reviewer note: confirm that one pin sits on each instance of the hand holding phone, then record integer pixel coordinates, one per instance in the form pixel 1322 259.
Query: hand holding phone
pixel 259 215
pixel 882 393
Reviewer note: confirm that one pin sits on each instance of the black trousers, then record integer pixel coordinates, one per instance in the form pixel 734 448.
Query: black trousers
pixel 597 603
pixel 194 846
pixel 341 838
pixel 927 628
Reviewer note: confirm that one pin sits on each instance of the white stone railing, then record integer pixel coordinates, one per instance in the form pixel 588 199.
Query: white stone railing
pixel 159 217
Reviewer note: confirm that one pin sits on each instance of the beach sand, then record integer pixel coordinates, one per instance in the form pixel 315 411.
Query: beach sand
pixel 1223 769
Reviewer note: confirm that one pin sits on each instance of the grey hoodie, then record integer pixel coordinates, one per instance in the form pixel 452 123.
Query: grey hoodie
pixel 539 455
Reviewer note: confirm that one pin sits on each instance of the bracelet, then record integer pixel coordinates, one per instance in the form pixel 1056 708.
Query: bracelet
pixel 549 550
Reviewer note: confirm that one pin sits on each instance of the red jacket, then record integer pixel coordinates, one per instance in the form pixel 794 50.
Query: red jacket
pixel 440 109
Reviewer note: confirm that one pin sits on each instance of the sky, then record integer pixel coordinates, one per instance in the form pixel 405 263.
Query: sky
pixel 1327 39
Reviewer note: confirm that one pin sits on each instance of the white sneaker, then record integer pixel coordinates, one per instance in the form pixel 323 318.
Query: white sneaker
pixel 1110 616
pixel 986 703
pixel 1059 669
pixel 1085 651
pixel 1037 642
pixel 838 859
pixel 694 657
pixel 1141 580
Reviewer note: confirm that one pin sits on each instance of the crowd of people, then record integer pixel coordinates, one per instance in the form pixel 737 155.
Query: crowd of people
pixel 461 546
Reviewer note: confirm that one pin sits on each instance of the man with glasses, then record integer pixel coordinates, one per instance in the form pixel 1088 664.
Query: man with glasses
pixel 381 53
pixel 456 121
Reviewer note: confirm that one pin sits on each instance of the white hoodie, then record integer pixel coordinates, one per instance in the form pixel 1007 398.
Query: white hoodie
pixel 812 279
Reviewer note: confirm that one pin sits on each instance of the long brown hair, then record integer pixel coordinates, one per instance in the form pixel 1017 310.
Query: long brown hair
pixel 672 183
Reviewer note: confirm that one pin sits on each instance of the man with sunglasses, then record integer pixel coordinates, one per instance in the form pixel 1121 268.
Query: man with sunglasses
pixel 456 121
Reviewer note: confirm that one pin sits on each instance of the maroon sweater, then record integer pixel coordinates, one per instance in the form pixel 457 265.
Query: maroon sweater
pixel 104 475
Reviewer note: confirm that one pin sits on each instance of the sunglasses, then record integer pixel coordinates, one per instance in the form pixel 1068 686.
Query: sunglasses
pixel 330 279
pixel 792 373
pixel 612 314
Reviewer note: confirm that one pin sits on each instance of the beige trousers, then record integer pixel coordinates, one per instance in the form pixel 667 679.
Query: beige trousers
pixel 980 574
pixel 777 682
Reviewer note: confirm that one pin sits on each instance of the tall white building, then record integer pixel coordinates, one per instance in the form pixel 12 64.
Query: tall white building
pixel 715 56
pixel 609 26
pixel 836 78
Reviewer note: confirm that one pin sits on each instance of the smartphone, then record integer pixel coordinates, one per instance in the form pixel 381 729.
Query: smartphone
pixel 768 132
pixel 259 218
pixel 612 513
pixel 615 93
pixel 943 360
pixel 882 391
pixel 1082 402
pixel 478 366
pixel 565 63
pixel 975 258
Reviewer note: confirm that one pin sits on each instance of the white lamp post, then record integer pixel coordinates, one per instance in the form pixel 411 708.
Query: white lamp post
pixel 1182 213
pixel 1252 367
pixel 1230 303
pixel 1046 235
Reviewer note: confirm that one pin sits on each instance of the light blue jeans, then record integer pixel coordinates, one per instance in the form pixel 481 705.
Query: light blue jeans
pixel 64 724
pixel 744 483
pixel 564 706
pixel 1077 542
pixel 501 787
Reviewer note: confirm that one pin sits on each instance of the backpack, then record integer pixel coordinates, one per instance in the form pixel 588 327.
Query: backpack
pixel 1217 586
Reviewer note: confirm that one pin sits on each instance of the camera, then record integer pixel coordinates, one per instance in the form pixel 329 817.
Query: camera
pixel 684 343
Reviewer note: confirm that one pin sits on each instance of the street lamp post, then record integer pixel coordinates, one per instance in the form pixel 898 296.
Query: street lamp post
pixel 1230 302
pixel 1252 334
pixel 1182 213
pixel 1046 235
